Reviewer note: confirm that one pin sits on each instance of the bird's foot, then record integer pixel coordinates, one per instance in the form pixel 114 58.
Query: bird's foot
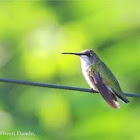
pixel 92 90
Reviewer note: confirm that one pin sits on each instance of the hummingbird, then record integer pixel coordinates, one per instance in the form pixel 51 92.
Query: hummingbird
pixel 100 78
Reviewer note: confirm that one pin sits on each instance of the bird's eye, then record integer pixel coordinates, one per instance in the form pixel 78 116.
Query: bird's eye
pixel 88 54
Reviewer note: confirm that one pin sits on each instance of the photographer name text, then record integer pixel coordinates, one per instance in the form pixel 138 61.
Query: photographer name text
pixel 16 133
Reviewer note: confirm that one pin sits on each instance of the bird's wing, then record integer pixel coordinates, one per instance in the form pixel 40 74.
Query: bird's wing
pixel 110 80
pixel 103 90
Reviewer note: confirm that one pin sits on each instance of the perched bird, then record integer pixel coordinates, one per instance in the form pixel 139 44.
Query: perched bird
pixel 100 78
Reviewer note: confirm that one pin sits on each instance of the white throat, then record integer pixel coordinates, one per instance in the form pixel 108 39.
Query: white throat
pixel 86 63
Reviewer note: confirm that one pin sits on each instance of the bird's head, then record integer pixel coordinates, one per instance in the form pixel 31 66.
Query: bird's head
pixel 85 55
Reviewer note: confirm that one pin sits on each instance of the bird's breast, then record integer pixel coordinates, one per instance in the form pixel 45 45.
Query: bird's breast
pixel 88 78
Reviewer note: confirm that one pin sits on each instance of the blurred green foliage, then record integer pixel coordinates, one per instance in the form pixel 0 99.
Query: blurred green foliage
pixel 32 36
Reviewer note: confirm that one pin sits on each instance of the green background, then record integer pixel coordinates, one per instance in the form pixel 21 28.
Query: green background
pixel 32 36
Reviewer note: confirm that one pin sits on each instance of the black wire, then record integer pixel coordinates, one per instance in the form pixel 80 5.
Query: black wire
pixel 56 86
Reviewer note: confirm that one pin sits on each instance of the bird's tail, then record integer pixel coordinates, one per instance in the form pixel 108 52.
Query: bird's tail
pixel 107 94
pixel 111 99
pixel 122 97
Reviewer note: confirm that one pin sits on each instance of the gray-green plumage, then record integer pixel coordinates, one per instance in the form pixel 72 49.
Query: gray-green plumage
pixel 108 78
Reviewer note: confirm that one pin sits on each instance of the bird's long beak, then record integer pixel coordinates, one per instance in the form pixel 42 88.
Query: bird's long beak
pixel 73 53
